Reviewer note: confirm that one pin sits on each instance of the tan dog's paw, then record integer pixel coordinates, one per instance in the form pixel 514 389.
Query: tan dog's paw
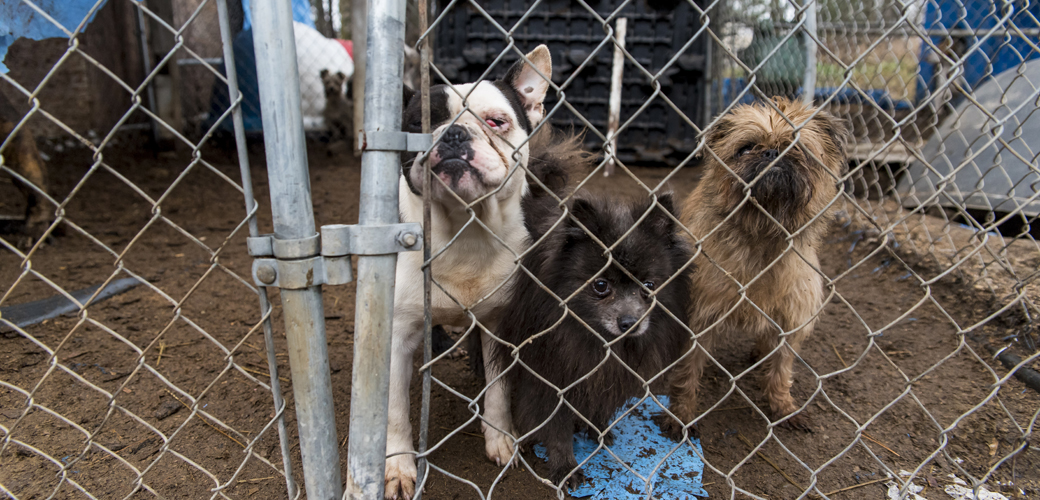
pixel 399 481
pixel 499 446
pixel 799 422
pixel 673 429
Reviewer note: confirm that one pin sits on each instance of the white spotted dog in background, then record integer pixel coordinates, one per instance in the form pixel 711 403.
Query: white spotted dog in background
pixel 474 160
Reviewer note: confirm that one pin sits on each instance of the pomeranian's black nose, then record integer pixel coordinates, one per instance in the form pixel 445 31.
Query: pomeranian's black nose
pixel 626 322
pixel 771 154
pixel 455 136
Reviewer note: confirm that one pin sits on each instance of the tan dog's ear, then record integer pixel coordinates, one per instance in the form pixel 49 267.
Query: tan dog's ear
pixel 324 74
pixel 529 84
pixel 838 133
pixel 714 136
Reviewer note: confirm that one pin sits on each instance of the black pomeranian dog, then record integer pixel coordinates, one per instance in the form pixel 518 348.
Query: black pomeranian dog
pixel 628 314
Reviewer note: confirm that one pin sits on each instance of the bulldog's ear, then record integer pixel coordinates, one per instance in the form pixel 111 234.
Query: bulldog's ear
pixel 529 84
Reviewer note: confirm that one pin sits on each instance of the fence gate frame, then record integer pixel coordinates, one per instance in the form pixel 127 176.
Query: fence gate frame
pixel 298 260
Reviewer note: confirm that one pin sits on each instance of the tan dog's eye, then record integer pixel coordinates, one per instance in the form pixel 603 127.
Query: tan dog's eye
pixel 745 150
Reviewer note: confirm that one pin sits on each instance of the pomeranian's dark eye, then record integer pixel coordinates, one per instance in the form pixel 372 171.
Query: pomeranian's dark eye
pixel 601 287
pixel 745 150
pixel 649 285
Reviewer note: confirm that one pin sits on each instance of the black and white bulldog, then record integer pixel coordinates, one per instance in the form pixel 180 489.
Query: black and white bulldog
pixel 477 173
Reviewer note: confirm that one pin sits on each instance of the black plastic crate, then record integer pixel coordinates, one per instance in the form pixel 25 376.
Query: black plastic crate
pixel 466 43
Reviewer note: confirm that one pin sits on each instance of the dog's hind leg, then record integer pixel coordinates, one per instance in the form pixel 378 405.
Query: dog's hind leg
pixel 399 481
pixel 684 386
pixel 497 425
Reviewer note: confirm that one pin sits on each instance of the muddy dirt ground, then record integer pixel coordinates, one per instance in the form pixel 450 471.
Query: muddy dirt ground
pixel 121 375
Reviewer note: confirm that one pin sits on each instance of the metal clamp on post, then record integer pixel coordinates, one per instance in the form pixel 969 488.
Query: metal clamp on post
pixel 325 259
pixel 295 264
pixel 385 140
pixel 342 239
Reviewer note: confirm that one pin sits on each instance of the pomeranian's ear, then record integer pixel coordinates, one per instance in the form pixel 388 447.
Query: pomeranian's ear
pixel 585 213
pixel 406 95
pixel 659 221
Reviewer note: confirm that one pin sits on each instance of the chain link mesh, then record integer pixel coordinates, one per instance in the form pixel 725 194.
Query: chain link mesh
pixel 929 268
pixel 136 393
pixel 912 377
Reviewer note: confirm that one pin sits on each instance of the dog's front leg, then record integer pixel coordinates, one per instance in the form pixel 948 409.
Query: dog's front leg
pixel 779 376
pixel 400 469
pixel 498 419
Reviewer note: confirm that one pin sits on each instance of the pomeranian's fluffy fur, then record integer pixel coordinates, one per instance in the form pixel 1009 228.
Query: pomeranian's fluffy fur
pixel 628 307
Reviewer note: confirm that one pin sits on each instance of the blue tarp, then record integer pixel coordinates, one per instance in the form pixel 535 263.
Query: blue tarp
pixel 301 13
pixel 18 20
pixel 732 87
pixel 986 57
pixel 245 67
pixel 640 443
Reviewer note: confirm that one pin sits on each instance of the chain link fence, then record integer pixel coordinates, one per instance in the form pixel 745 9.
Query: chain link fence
pixel 135 358
pixel 920 374
pixel 919 378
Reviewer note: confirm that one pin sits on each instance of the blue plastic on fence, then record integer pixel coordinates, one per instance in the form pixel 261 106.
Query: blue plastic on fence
pixel 18 20
pixel 732 87
pixel 639 442
pixel 994 55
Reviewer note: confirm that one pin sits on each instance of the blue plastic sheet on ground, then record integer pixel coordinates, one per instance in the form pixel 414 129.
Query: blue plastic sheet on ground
pixel 640 443
pixel 19 20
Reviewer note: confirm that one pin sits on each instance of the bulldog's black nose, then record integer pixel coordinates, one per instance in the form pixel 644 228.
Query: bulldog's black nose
pixel 771 154
pixel 626 322
pixel 455 136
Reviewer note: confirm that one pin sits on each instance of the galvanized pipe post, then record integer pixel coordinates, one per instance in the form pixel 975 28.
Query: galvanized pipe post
pixel 293 217
pixel 254 230
pixel 370 384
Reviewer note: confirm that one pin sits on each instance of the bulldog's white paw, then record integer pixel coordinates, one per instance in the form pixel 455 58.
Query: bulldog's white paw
pixel 399 482
pixel 499 446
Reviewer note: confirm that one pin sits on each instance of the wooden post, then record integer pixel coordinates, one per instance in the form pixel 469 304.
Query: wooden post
pixel 616 73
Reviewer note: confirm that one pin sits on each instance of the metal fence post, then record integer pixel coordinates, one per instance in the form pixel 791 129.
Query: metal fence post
pixel 247 189
pixel 375 278
pixel 293 217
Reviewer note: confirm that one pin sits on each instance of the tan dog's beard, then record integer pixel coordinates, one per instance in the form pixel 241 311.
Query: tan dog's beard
pixel 783 190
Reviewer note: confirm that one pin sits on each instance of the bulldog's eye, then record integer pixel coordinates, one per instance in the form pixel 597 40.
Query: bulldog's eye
pixel 745 150
pixel 601 287
pixel 494 122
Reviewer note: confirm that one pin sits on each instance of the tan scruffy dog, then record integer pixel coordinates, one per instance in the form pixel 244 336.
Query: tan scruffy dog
pixel 761 221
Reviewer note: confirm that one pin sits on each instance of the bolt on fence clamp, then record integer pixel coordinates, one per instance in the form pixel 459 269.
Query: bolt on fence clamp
pixel 386 140
pixel 325 259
